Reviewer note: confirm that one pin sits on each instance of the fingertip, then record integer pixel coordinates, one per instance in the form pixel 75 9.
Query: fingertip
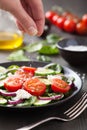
pixel 32 31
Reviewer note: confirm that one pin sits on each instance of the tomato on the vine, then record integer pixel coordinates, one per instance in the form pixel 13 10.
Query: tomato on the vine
pixel 55 18
pixel 60 22
pixel 49 15
pixel 69 25
pixel 84 19
pixel 67 14
pixel 81 28
pixel 59 85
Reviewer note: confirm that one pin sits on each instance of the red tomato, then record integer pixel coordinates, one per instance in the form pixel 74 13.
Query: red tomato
pixel 49 15
pixel 35 87
pixel 29 69
pixel 60 22
pixel 81 28
pixel 23 74
pixel 67 14
pixel 59 85
pixel 84 19
pixel 54 18
pixel 69 25
pixel 13 83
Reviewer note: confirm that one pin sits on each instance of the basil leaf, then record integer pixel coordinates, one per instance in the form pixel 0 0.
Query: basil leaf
pixel 53 38
pixel 17 56
pixel 43 58
pixel 33 47
pixel 49 50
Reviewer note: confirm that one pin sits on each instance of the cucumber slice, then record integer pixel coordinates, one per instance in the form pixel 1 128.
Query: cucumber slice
pixel 2 101
pixel 41 102
pixel 44 72
pixel 2 69
pixel 1 83
pixel 45 81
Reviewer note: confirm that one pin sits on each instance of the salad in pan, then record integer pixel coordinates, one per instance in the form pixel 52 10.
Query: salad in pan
pixel 30 86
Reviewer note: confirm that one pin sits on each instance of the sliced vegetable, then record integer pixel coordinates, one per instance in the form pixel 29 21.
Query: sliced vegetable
pixel 28 102
pixel 43 71
pixel 59 85
pixel 13 83
pixel 46 81
pixel 2 101
pixel 4 93
pixel 15 102
pixel 29 69
pixel 2 70
pixel 55 97
pixel 23 73
pixel 56 67
pixel 41 102
pixel 35 87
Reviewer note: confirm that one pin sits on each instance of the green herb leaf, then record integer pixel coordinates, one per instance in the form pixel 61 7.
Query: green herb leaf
pixel 17 56
pixel 33 47
pixel 43 58
pixel 49 50
pixel 53 38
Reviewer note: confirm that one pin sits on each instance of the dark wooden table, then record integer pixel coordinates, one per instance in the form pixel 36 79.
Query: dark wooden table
pixel 13 119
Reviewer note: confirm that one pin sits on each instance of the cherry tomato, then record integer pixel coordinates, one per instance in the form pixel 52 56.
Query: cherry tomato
pixel 13 83
pixel 54 18
pixel 81 28
pixel 29 69
pixel 49 15
pixel 23 74
pixel 59 85
pixel 60 22
pixel 67 15
pixel 35 87
pixel 84 19
pixel 69 25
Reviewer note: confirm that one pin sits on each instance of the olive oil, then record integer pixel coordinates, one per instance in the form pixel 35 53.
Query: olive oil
pixel 9 40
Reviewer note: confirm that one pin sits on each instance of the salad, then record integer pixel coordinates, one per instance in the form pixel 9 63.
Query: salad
pixel 31 86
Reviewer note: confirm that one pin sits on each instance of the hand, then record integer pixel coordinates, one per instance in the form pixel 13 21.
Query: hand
pixel 29 14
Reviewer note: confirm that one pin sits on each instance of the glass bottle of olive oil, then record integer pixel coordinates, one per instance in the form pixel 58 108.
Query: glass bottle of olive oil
pixel 10 36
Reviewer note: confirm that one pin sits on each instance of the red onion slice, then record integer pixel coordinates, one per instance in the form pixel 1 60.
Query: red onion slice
pixel 15 102
pixel 56 97
pixel 3 93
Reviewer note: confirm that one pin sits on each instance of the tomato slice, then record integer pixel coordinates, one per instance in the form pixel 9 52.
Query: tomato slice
pixel 34 86
pixel 29 69
pixel 13 83
pixel 59 85
pixel 25 73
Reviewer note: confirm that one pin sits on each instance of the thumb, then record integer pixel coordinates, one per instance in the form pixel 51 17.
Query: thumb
pixel 25 20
